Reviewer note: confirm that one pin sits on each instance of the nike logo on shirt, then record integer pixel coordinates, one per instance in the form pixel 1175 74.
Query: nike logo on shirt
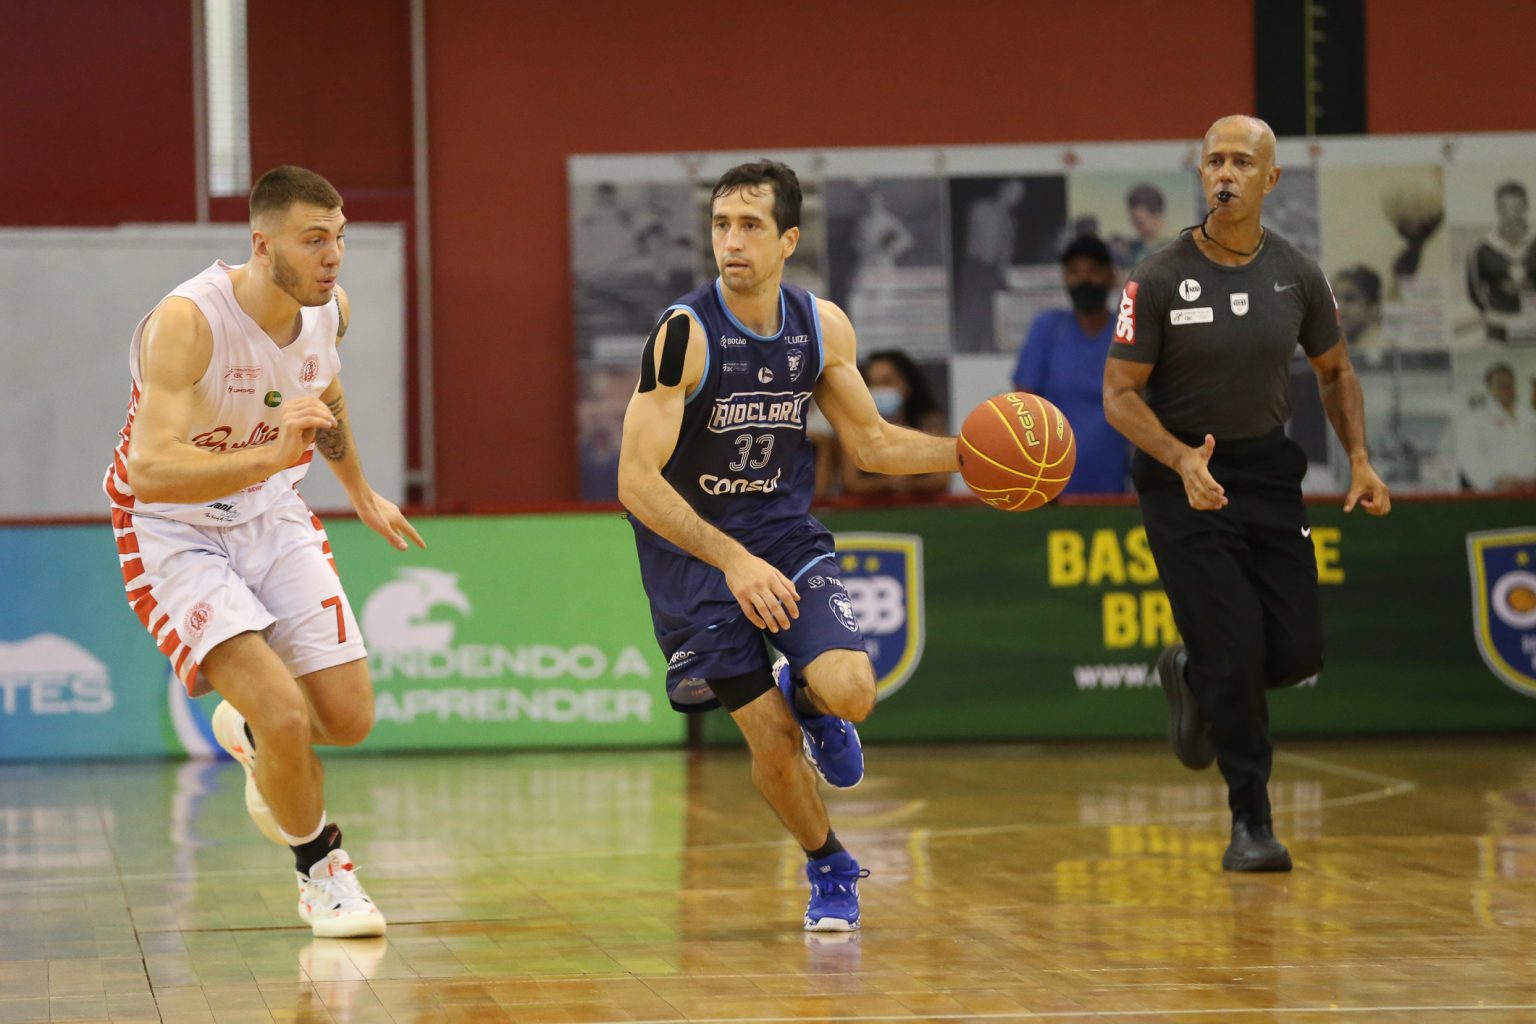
pixel 1285 287
pixel 1306 531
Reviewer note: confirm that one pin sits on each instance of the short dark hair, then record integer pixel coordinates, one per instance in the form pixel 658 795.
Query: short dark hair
pixel 282 187
pixel 1145 196
pixel 1365 279
pixel 758 175
pixel 1509 188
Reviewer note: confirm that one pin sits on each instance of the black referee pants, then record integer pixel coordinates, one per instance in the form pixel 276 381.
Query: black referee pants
pixel 1242 582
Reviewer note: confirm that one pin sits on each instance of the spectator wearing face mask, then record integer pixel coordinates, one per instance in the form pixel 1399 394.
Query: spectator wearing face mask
pixel 1062 360
pixel 904 397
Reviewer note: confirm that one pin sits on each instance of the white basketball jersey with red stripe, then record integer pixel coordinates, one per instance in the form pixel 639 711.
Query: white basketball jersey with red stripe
pixel 237 402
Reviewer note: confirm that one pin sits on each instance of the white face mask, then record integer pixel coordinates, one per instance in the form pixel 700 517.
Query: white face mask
pixel 888 401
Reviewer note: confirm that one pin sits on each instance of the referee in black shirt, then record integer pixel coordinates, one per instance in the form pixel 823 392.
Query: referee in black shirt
pixel 1197 380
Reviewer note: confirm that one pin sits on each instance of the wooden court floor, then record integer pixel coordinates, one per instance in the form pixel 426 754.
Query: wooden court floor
pixel 1070 883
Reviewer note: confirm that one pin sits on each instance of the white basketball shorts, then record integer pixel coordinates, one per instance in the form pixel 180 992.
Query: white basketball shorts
pixel 193 587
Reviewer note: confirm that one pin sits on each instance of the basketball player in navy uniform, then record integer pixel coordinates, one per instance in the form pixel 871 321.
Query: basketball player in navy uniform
pixel 1198 379
pixel 717 473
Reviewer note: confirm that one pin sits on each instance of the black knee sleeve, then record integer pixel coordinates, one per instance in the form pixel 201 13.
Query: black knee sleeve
pixel 739 691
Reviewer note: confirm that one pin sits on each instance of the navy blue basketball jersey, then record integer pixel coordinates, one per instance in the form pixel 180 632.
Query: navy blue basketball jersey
pixel 743 460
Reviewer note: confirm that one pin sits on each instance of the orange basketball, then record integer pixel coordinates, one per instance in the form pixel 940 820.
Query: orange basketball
pixel 1016 451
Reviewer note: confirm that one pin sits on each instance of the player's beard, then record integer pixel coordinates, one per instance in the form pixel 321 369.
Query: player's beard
pixel 290 281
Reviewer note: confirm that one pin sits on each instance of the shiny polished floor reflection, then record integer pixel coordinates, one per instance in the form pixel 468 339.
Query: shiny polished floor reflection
pixel 1057 883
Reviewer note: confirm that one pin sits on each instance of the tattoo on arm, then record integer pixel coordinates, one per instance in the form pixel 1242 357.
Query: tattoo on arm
pixel 335 442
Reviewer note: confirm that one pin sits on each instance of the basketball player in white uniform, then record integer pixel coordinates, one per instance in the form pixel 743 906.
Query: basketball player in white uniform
pixel 234 388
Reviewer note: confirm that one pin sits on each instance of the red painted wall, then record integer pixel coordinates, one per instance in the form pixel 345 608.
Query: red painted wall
pixel 1433 66
pixel 330 89
pixel 517 87
pixel 97 128
pixel 96 118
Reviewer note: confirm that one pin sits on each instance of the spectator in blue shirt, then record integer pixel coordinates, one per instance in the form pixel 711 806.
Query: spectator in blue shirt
pixel 1063 360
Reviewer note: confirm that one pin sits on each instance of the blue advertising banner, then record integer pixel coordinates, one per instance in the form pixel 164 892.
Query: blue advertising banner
pixel 79 676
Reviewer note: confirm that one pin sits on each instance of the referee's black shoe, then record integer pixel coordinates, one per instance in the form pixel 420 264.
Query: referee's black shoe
pixel 1186 729
pixel 1255 848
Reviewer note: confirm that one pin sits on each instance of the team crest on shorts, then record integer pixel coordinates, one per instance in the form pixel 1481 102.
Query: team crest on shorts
pixel 197 619
pixel 1502 564
pixel 842 607
pixel 883 574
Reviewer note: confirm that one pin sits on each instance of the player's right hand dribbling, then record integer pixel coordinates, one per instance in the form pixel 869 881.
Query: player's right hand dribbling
pixel 296 427
pixel 765 594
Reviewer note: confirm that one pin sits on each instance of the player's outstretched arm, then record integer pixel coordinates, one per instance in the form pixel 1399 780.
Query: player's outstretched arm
pixel 873 445
pixel 164 464
pixel 1340 389
pixel 339 447
pixel 1129 413
pixel 651 425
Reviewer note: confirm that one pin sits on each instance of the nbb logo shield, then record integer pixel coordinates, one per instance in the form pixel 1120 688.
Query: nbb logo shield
pixel 883 574
pixel 1502 564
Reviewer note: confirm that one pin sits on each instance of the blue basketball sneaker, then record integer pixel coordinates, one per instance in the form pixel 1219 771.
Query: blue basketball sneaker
pixel 834 903
pixel 831 743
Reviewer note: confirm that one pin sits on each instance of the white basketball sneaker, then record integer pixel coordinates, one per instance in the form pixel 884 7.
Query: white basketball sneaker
pixel 229 730
pixel 332 901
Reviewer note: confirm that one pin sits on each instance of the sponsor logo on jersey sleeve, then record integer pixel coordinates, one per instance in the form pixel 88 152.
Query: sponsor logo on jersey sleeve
pixel 1125 323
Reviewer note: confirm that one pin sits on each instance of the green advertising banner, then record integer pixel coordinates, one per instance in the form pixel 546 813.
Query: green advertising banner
pixel 1046 624
pixel 525 631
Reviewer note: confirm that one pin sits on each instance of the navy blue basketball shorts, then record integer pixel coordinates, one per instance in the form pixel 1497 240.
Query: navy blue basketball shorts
pixel 714 639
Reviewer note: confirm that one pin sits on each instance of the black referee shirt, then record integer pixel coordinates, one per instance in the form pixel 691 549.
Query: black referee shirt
pixel 1220 338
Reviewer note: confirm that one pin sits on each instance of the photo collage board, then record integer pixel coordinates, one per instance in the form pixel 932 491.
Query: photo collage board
pixel 948 254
